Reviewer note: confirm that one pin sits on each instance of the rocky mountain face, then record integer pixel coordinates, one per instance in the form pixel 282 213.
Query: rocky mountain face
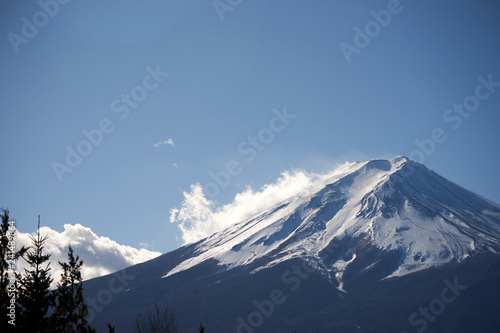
pixel 376 246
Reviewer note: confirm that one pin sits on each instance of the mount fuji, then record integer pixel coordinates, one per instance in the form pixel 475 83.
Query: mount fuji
pixel 375 246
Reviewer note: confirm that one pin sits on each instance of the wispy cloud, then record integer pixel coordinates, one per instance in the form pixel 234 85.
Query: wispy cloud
pixel 168 142
pixel 100 255
pixel 200 217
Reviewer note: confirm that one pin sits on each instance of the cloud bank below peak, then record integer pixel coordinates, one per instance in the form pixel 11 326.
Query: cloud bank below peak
pixel 100 255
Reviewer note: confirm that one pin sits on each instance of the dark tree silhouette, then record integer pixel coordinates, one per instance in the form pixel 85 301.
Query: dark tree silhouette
pixel 35 297
pixel 70 309
pixel 201 328
pixel 111 328
pixel 160 319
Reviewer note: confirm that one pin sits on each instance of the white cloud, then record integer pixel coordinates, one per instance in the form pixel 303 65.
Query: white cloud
pixel 200 217
pixel 100 255
pixel 169 142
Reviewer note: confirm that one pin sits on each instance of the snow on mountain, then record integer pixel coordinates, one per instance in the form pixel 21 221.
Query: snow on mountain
pixel 359 249
pixel 396 206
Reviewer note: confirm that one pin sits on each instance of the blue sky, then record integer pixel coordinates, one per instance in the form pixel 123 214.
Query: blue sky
pixel 231 71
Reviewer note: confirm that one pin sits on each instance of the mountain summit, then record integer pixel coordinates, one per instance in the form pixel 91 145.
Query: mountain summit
pixel 366 223
pixel 396 205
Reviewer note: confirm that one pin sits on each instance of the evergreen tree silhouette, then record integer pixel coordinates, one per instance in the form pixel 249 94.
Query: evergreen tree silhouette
pixel 70 309
pixel 35 297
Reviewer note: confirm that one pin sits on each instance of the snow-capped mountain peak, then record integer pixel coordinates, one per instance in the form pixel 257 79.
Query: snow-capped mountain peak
pixel 396 206
pixel 350 251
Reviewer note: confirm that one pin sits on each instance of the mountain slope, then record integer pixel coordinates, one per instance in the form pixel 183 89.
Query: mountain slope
pixel 363 224
pixel 395 205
